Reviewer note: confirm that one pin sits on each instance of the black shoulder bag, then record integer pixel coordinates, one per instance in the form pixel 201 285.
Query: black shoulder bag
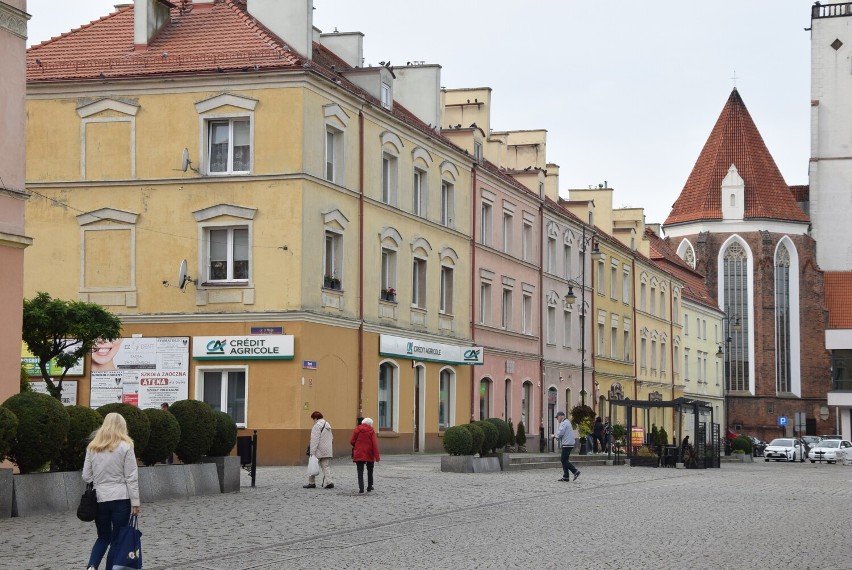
pixel 88 508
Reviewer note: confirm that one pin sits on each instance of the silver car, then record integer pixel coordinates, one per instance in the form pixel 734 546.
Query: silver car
pixel 785 449
pixel 829 450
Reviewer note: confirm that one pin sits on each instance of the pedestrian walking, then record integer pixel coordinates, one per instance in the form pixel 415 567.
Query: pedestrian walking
pixel 365 451
pixel 565 438
pixel 320 447
pixel 607 435
pixel 598 435
pixel 110 465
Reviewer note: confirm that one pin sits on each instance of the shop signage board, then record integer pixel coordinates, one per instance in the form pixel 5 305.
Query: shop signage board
pixel 69 390
pixel 253 347
pixel 30 362
pixel 142 371
pixel 413 349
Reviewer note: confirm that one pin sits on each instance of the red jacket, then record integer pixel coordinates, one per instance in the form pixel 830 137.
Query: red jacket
pixel 364 443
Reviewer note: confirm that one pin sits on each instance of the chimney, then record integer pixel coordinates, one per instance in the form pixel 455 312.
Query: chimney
pixel 149 17
pixel 290 20
pixel 348 46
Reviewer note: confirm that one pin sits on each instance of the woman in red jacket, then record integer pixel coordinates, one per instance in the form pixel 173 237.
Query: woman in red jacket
pixel 365 450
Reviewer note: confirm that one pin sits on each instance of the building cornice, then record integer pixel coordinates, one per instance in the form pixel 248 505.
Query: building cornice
pixel 13 20
pixel 15 241
pixel 736 226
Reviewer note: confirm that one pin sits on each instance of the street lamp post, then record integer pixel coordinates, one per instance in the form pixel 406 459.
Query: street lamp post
pixel 727 353
pixel 571 298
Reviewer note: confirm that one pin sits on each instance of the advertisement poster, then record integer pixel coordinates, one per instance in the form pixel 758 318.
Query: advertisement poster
pixel 142 371
pixel 69 390
pixel 30 362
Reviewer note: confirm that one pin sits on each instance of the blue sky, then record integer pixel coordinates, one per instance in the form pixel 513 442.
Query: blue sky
pixel 628 91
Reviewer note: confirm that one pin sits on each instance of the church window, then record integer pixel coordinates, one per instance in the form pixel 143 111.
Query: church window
pixel 782 319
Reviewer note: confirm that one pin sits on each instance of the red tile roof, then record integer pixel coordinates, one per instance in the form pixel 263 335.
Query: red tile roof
pixel 735 140
pixel 665 257
pixel 801 192
pixel 838 299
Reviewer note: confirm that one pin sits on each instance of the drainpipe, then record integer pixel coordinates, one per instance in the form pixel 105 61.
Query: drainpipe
pixel 360 263
pixel 541 331
pixel 635 336
pixel 473 282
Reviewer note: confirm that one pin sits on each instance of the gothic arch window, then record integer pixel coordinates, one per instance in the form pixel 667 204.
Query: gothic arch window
pixel 687 252
pixel 782 319
pixel 736 295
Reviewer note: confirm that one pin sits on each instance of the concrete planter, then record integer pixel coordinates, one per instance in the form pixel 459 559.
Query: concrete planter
pixel 469 464
pixel 161 482
pixel 228 470
pixel 638 461
pixel 46 493
pixel 742 457
pixel 6 493
pixel 202 479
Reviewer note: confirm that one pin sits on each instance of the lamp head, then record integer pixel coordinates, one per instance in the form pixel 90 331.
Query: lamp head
pixel 570 297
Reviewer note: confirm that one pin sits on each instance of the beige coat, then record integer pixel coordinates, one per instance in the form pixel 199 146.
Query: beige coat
pixel 321 439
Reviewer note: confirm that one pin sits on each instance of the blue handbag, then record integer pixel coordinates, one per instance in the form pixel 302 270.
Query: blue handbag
pixel 128 547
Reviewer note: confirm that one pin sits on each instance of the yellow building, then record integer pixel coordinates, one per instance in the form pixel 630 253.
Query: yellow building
pixel 324 222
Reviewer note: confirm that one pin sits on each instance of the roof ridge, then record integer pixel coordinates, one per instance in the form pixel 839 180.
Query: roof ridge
pixel 118 10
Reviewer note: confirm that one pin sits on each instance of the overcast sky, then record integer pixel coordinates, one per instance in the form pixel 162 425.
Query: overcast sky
pixel 627 90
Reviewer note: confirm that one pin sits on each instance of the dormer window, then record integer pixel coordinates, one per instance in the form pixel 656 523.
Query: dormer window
pixel 386 95
pixel 477 151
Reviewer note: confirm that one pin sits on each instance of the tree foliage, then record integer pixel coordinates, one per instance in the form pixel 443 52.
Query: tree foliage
pixel 138 426
pixel 197 429
pixel 65 331
pixel 25 380
pixel 225 437
pixel 165 435
pixel 72 454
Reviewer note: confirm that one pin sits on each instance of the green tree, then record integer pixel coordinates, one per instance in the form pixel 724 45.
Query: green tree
pixel 25 380
pixel 65 331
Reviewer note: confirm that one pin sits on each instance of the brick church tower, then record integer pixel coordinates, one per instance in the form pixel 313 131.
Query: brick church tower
pixel 738 222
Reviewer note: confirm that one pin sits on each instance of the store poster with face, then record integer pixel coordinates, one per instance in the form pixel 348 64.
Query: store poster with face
pixel 142 371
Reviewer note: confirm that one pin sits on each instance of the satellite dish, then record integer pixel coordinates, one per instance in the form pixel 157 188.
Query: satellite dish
pixel 186 162
pixel 183 278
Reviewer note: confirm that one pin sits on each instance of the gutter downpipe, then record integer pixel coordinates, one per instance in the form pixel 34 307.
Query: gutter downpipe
pixel 635 330
pixel 361 263
pixel 473 288
pixel 541 332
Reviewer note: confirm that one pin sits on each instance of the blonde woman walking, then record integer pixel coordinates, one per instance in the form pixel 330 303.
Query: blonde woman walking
pixel 111 465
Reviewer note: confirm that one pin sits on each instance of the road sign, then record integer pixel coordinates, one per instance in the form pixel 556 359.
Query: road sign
pixel 782 421
pixel 800 422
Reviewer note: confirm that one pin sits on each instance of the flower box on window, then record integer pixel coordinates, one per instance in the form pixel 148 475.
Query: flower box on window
pixel 331 282
pixel 389 294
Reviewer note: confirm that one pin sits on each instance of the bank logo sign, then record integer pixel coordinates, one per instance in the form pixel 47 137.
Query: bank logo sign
pixel 254 347
pixel 430 351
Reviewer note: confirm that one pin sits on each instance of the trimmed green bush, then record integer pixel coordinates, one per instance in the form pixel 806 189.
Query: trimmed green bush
pixel 618 432
pixel 512 439
pixel 521 436
pixel 165 435
pixel 83 421
pixel 458 441
pixel 491 435
pixel 226 435
pixel 8 430
pixel 502 432
pixel 42 428
pixel 478 437
pixel 138 426
pixel 197 429
pixel 741 443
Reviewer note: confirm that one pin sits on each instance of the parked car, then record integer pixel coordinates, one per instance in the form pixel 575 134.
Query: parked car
pixel 811 441
pixel 757 446
pixel 829 450
pixel 833 436
pixel 785 449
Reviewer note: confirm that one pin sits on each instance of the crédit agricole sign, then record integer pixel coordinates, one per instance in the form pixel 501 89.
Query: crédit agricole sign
pixel 431 351
pixel 254 347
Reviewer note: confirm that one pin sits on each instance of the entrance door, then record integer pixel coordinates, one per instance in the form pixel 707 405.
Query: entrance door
pixel 551 412
pixel 418 384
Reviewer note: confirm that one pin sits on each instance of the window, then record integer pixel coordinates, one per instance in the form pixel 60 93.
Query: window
pixel 697 327
pixel 676 309
pixel 662 358
pixel 526 402
pixel 526 309
pixel 626 351
pixel 446 290
pixel 662 304
pixel 418 206
pixel 385 95
pixel 686 365
pixel 447 204
pixel 653 355
pixel 506 320
pixel 704 328
pixel 507 232
pixel 389 179
pixel 484 398
pixel 653 299
pixel 601 339
pixel 228 254
pixel 613 281
pixel 686 324
pixel 388 379
pixel 333 155
pixel 551 255
pixel 601 277
pixel 642 295
pixel 551 325
pixel 229 146
pixel 625 287
pixel 613 341
pixel 527 239
pixel 485 303
pixel 507 400
pixel 477 151
pixel 568 330
pixel 418 283
pixel 643 353
pixel 566 261
pixel 446 389
pixel 782 320
pixel 675 360
pixel 485 224
pixel 333 262
pixel 225 391
pixel 388 269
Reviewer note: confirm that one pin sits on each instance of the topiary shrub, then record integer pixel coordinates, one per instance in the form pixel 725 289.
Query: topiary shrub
pixel 502 432
pixel 491 435
pixel 138 426
pixel 82 422
pixel 42 428
pixel 521 437
pixel 457 440
pixel 197 429
pixel 8 430
pixel 512 439
pixel 165 435
pixel 741 443
pixel 226 435
pixel 478 437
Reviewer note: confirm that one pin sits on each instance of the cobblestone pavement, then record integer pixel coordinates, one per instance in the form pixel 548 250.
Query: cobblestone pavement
pixel 740 516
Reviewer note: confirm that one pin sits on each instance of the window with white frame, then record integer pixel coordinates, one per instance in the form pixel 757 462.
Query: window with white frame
pixel 446 290
pixel 485 303
pixel 225 390
pixel 653 299
pixel 506 319
pixel 625 286
pixel 527 239
pixel 507 400
pixel 333 154
pixel 568 253
pixel 551 325
pixel 676 309
pixel 662 357
pixel 333 260
pixel 388 390
pixel 626 351
pixel 484 398
pixel 675 360
pixel 642 296
pixel 613 280
pixel 551 255
pixel 704 329
pixel 653 355
pixel 419 193
pixel 526 309
pixel 229 146
pixel 446 391
pixel 601 277
pixel 447 204
pixel 643 353
pixel 388 269
pixel 390 175
pixel 662 304
pixel 485 224
pixel 613 340
pixel 698 327
pixel 686 365
pixel 567 328
pixel 686 324
pixel 526 402
pixel 228 254
pixel 418 283
pixel 507 231
pixel 601 339
pixel 385 95
pixel 477 151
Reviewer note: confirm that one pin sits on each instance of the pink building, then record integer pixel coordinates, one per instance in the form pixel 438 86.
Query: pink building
pixel 13 35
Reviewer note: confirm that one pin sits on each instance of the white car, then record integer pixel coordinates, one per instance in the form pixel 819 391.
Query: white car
pixel 785 449
pixel 829 450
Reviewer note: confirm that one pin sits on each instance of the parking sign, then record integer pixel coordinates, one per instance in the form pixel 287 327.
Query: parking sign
pixel 782 421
